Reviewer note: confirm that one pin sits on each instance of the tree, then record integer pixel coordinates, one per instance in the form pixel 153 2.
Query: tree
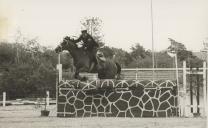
pixel 122 57
pixel 66 61
pixel 138 52
pixel 164 60
pixel 179 49
pixel 176 46
pixel 183 54
pixel 7 54
pixel 94 27
pixel 140 57
pixel 32 74
pixel 15 81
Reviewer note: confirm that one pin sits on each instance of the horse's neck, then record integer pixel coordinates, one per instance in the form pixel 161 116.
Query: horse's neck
pixel 77 54
pixel 74 55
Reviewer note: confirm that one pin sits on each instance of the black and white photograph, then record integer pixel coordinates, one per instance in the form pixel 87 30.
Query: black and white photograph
pixel 103 64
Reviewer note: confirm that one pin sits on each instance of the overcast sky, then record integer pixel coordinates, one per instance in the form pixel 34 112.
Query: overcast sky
pixel 125 22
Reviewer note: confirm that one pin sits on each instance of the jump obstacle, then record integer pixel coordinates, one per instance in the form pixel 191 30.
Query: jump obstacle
pixel 129 98
pixel 4 99
pixel 4 102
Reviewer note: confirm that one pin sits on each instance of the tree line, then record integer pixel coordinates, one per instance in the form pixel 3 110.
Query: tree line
pixel 28 69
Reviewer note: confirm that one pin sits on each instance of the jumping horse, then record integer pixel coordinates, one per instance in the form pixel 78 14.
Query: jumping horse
pixel 106 68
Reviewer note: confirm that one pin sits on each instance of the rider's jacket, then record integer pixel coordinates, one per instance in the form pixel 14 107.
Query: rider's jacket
pixel 88 41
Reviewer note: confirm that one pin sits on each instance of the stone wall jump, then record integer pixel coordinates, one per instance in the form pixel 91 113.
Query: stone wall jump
pixel 117 98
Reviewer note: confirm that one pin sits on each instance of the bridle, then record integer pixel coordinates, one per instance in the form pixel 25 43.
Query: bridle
pixel 59 46
pixel 66 41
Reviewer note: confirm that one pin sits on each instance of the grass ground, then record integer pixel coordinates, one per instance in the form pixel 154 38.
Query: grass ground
pixel 28 116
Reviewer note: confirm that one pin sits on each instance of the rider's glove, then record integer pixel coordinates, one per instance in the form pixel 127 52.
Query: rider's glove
pixel 72 39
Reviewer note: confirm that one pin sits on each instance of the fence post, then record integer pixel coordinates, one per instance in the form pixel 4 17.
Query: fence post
pixel 206 102
pixel 4 99
pixel 184 88
pixel 191 90
pixel 47 98
pixel 178 87
pixel 197 91
pixel 59 68
pixel 204 86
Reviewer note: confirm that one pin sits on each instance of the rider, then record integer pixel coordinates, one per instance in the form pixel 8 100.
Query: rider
pixel 89 44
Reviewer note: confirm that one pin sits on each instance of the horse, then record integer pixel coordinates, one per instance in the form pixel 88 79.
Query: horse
pixel 106 69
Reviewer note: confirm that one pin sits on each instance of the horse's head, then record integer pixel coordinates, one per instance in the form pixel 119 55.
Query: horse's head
pixel 66 44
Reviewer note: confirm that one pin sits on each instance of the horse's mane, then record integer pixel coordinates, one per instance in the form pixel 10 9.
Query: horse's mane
pixel 69 40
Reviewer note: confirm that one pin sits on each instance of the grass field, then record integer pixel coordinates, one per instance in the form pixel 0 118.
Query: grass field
pixel 28 116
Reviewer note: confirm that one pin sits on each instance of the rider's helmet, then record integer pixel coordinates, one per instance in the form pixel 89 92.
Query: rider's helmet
pixel 84 31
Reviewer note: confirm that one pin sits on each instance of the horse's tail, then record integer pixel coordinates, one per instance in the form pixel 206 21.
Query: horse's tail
pixel 118 70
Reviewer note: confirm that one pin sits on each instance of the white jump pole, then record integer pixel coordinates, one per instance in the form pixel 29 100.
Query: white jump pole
pixel 177 82
pixel 136 73
pixel 59 68
pixel 207 105
pixel 184 89
pixel 4 99
pixel 47 98
pixel 204 86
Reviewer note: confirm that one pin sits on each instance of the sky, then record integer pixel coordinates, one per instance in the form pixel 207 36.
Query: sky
pixel 124 22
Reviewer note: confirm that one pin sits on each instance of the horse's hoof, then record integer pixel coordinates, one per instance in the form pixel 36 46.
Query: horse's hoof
pixel 118 78
pixel 83 79
pixel 75 77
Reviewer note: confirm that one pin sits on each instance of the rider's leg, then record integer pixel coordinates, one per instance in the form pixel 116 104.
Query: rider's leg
pixel 76 75
pixel 92 66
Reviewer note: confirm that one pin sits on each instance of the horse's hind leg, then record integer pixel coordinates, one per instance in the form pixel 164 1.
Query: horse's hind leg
pixel 76 75
pixel 118 71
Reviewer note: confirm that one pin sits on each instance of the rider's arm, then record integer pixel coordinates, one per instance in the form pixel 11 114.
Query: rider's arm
pixel 78 40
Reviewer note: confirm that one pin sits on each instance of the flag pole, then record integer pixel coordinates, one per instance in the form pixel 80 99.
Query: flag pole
pixel 173 51
pixel 153 54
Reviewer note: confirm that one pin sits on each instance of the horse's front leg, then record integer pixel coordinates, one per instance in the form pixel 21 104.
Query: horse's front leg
pixel 77 76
